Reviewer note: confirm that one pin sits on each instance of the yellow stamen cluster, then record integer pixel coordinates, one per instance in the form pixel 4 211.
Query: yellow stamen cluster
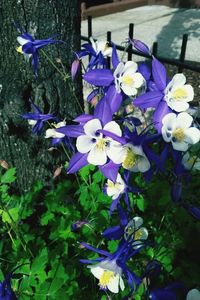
pixel 179 94
pixel 127 80
pixel 101 143
pixel 130 159
pixel 138 234
pixel 105 278
pixel 179 134
pixel 19 49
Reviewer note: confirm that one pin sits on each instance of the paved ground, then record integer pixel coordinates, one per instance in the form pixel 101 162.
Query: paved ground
pixel 153 23
pixel 156 23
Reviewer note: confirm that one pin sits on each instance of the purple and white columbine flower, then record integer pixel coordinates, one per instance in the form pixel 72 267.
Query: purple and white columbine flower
pixel 128 79
pixel 101 46
pixel 177 130
pixel 178 94
pixel 137 233
pixel 98 146
pixel 115 189
pixel 134 159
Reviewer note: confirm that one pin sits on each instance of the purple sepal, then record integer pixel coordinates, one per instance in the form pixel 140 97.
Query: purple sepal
pixel 113 136
pixel 115 57
pixel 159 114
pixel 113 233
pixel 99 251
pixel 162 294
pixel 145 70
pixel 71 130
pixel 114 98
pixel 91 261
pixel 159 74
pixel 91 96
pixel 140 46
pixel 55 141
pixel 99 77
pixel 103 111
pixel 77 161
pixel 114 204
pixel 84 118
pixel 193 210
pixel 74 68
pixel 149 99
pixel 110 170
pixel 123 216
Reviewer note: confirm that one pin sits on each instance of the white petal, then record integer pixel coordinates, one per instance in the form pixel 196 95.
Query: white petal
pixel 129 90
pixel 113 127
pixel 94 45
pixel 178 105
pixel 22 41
pixel 184 120
pixel 121 283
pixel 169 120
pixel 115 152
pixel 96 271
pixel 92 126
pixel 84 143
pixel 143 164
pixel 138 80
pixel 193 294
pixel 60 124
pixel 178 80
pixel 97 157
pixel 113 285
pixel 192 135
pixel 130 66
pixel 167 135
pixel 144 235
pixel 190 92
pixel 49 133
pixel 138 222
pixel 183 146
pixel 119 69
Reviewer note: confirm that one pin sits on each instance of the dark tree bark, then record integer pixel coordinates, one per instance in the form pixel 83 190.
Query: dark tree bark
pixel 43 19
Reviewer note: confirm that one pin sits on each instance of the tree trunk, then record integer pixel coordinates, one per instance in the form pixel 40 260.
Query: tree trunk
pixel 43 19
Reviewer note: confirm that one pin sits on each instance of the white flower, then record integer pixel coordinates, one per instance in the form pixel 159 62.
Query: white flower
pixel 115 189
pixel 134 159
pixel 128 79
pixel 176 129
pixel 109 275
pixel 98 146
pixel 193 294
pixel 136 232
pixel 191 162
pixel 52 133
pixel 101 46
pixel 178 94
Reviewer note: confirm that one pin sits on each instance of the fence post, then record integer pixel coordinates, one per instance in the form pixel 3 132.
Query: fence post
pixel 130 35
pixel 89 26
pixel 155 48
pixel 183 52
pixel 109 44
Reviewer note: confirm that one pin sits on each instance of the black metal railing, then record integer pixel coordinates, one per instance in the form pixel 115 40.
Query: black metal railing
pixel 181 63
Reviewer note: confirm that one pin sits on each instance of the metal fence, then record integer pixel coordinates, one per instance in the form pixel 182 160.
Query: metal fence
pixel 181 63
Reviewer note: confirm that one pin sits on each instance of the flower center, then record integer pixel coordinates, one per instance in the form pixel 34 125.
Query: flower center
pixel 130 159
pixel 127 80
pixel 101 143
pixel 19 49
pixel 105 278
pixel 138 234
pixel 179 94
pixel 178 134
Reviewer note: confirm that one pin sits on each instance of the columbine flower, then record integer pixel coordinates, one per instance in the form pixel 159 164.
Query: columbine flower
pixel 193 294
pixel 98 146
pixel 101 46
pixel 29 47
pixel 110 268
pixel 134 159
pixel 178 94
pixel 191 162
pixel 37 118
pixel 109 275
pixel 137 233
pixel 115 189
pixel 128 79
pixel 176 129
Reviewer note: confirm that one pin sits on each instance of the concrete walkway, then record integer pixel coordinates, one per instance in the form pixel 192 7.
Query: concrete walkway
pixel 153 23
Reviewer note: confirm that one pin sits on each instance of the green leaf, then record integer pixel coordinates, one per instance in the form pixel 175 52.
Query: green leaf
pixel 9 176
pixel 11 215
pixel 140 203
pixel 112 246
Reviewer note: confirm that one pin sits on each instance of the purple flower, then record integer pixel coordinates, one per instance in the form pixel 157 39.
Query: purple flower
pixel 37 119
pixel 29 47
